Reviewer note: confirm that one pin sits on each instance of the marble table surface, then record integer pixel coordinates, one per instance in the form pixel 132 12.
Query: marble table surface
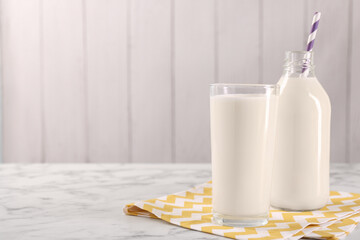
pixel 85 201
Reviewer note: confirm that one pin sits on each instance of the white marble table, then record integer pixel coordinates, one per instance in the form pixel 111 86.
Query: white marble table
pixel 85 201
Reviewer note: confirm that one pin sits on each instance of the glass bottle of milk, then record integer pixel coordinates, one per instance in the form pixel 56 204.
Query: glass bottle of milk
pixel 302 146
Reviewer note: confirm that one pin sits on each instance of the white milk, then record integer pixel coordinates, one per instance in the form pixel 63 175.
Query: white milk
pixel 301 163
pixel 240 148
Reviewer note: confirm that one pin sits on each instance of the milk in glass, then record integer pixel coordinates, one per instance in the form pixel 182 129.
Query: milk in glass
pixel 242 143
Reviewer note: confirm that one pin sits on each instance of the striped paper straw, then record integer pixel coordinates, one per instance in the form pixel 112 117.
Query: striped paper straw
pixel 314 28
pixel 311 38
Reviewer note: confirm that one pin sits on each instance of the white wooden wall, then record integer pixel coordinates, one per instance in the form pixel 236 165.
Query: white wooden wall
pixel 127 80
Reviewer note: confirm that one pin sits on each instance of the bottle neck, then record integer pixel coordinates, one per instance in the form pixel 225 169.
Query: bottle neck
pixel 299 65
pixel 298 73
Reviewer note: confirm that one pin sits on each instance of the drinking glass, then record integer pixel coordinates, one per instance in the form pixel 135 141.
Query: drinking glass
pixel 243 121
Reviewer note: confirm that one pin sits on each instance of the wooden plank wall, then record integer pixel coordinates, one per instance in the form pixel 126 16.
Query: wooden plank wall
pixel 64 83
pixel 150 74
pixel 107 85
pixel 194 69
pixel 353 83
pixel 127 80
pixel 22 85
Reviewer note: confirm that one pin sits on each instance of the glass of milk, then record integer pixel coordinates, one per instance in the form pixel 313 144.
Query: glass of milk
pixel 242 142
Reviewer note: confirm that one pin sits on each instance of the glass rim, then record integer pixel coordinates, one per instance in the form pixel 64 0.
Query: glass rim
pixel 244 85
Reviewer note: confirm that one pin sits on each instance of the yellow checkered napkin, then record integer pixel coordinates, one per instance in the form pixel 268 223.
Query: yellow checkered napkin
pixel 192 209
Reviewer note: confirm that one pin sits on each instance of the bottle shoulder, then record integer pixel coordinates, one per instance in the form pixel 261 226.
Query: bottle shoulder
pixel 299 89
